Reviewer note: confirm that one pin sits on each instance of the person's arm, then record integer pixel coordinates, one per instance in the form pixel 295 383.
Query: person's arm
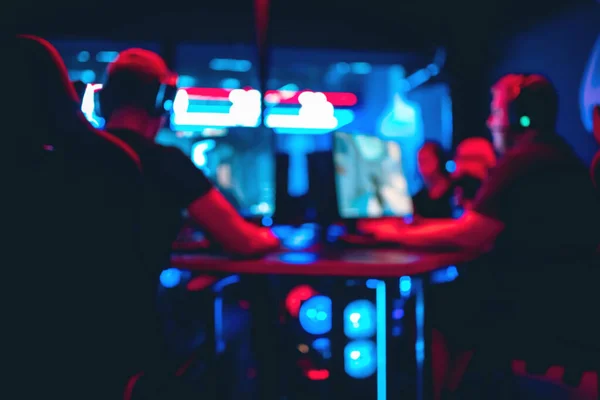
pixel 219 220
pixel 209 209
pixel 477 229
pixel 471 232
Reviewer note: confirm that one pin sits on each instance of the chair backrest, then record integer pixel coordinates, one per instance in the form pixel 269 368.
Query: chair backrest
pixel 78 197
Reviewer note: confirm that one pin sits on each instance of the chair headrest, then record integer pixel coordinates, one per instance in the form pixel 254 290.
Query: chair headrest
pixel 46 91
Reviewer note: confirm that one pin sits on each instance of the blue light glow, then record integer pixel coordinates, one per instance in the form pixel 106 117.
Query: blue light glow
pixel 445 275
pixel 107 56
pixel 359 319
pixel 83 56
pixel 405 285
pixel 360 359
pixel 315 315
pixel 170 278
pixel 298 258
pixel 223 283
pixel 267 221
pixel 450 166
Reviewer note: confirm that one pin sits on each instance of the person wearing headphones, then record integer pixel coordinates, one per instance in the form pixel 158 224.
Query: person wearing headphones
pixel 135 100
pixel 536 209
pixel 434 200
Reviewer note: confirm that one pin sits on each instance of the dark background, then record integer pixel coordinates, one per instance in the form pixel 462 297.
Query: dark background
pixel 476 33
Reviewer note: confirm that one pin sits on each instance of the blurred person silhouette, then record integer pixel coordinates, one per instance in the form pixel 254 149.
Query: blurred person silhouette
pixel 434 200
pixel 518 225
pixel 474 157
pixel 79 330
pixel 135 100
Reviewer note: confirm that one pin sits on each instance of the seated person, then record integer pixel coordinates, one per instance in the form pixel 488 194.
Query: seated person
pixel 518 218
pixel 128 103
pixel 465 190
pixel 435 199
pixel 133 103
pixel 76 203
pixel 474 157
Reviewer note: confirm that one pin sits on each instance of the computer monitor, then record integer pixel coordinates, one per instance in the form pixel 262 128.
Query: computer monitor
pixel 216 122
pixel 369 178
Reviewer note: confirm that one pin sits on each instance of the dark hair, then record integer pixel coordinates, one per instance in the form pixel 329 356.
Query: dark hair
pixel 532 95
pixel 127 89
pixel 469 185
pixel 439 153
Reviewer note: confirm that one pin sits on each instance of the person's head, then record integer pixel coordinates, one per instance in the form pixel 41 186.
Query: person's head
pixel 520 104
pixel 465 190
pixel 475 157
pixel 138 93
pixel 431 161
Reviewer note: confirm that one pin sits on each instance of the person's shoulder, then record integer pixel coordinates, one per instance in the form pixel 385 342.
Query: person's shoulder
pixel 120 151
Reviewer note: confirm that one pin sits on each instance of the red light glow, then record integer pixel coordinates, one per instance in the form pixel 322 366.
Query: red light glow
pixel 296 296
pixel 317 374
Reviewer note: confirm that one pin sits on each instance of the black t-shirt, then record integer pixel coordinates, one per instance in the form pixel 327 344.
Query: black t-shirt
pixel 172 183
pixel 426 207
pixel 542 193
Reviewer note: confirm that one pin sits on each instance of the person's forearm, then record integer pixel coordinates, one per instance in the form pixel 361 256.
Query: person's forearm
pixel 439 233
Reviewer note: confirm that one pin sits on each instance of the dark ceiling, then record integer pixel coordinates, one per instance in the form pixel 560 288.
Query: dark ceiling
pixel 375 24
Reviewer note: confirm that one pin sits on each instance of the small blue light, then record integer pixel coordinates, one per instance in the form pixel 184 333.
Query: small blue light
pixel 107 56
pixel 83 56
pixel 420 350
pixel 267 221
pixel 396 331
pixel 452 272
pixel 168 106
pixel 398 314
pixel 170 278
pixel 450 166
pixel 360 359
pixel 372 283
pixel 321 344
pixel 405 285
pixel 298 258
pixel 360 319
pixel 88 76
pixel 315 315
pixel 186 81
pixel 231 83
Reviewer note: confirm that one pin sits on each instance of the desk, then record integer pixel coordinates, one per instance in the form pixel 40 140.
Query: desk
pixel 346 263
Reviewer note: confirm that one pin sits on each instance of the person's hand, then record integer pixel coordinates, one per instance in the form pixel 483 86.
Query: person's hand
pixel 384 231
pixel 265 241
pixel 369 226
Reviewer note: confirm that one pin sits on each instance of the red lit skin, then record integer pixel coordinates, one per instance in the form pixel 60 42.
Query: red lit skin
pixel 217 217
pixel 471 232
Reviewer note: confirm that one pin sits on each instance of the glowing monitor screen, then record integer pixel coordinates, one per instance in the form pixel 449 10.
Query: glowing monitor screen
pixel 216 122
pixel 369 177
